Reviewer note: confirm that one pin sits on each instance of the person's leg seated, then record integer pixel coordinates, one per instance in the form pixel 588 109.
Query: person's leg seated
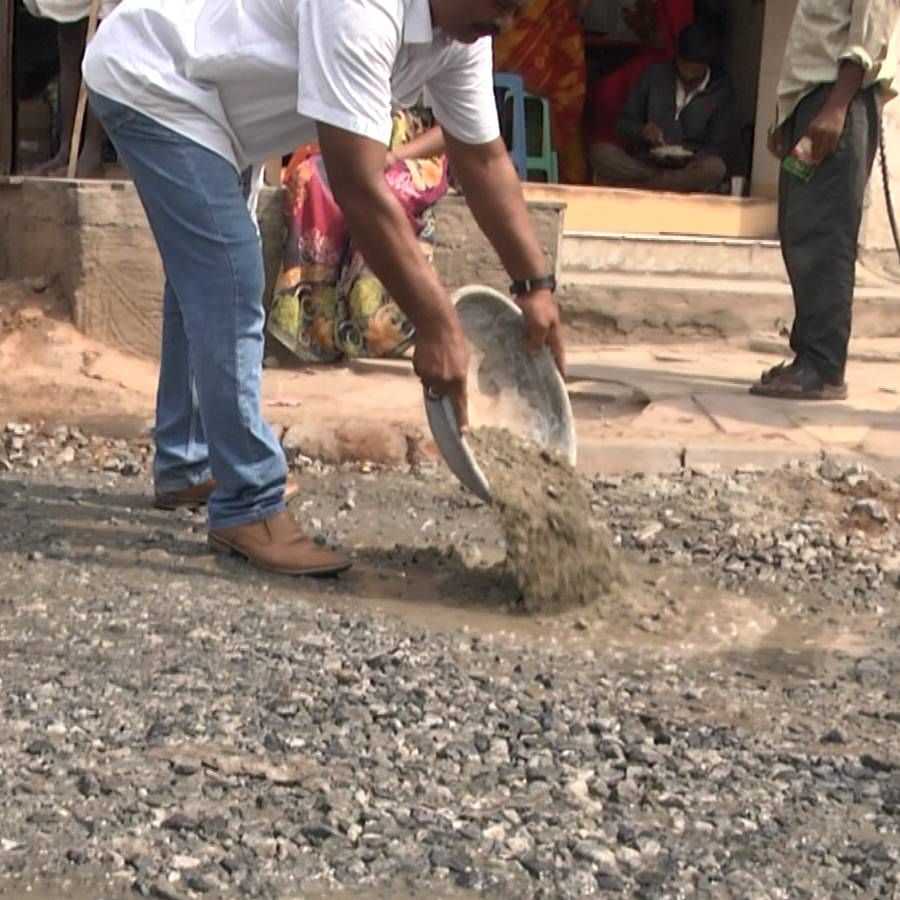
pixel 71 40
pixel 213 263
pixel 90 160
pixel 702 175
pixel 613 166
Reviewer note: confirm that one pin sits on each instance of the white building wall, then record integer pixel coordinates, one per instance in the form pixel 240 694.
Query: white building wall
pixel 876 232
pixel 764 179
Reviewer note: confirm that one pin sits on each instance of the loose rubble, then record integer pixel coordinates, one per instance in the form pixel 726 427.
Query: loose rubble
pixel 175 725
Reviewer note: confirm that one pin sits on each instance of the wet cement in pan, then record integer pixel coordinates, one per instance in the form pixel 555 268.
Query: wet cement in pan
pixel 558 554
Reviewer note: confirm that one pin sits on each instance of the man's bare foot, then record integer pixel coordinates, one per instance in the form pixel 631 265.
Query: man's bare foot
pixel 88 167
pixel 55 167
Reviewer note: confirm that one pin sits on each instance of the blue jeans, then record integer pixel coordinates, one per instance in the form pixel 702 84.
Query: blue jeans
pixel 208 410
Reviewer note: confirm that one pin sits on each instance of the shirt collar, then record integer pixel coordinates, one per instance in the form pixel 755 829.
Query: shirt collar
pixel 700 87
pixel 417 26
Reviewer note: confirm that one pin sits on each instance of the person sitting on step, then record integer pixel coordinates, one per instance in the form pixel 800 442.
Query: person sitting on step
pixel 676 124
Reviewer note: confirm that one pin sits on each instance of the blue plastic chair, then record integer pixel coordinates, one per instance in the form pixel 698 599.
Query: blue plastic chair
pixel 542 159
pixel 509 93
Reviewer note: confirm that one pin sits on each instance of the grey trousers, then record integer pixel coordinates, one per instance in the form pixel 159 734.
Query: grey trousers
pixel 818 223
pixel 615 167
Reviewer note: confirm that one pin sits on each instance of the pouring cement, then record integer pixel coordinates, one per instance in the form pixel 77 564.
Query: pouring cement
pixel 558 555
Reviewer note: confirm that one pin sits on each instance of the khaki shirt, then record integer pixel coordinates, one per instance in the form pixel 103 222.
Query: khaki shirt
pixel 824 33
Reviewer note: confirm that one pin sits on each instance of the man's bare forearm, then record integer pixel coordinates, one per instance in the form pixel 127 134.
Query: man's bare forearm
pixel 494 195
pixel 355 166
pixel 828 124
pixel 383 234
pixel 847 86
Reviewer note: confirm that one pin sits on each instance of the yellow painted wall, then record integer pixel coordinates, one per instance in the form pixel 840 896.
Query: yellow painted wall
pixel 595 209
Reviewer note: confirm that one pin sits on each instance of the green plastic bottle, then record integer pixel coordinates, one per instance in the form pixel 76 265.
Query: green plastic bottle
pixel 799 162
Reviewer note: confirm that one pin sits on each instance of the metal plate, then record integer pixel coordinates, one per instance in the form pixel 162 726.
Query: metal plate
pixel 508 387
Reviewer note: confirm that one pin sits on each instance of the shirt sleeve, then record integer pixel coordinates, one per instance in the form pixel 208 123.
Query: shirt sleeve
pixel 721 125
pixel 347 50
pixel 462 94
pixel 633 115
pixel 872 23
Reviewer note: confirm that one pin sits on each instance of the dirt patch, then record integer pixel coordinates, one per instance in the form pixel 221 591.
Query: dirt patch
pixel 560 557
pixel 54 374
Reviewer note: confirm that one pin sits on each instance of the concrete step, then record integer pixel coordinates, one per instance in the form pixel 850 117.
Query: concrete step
pixel 601 306
pixel 596 252
pixel 586 253
pixel 640 286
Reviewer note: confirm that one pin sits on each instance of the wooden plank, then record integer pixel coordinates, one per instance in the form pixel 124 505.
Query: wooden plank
pixel 7 89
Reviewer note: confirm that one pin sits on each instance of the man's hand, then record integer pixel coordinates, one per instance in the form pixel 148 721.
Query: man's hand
pixel 382 232
pixel 825 131
pixel 494 194
pixel 826 128
pixel 652 134
pixel 441 361
pixel 543 325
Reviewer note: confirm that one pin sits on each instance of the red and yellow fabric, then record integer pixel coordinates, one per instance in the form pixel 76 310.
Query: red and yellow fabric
pixel 546 47
pixel 328 304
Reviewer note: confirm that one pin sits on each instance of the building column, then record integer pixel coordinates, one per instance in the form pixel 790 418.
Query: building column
pixel 764 178
pixel 875 237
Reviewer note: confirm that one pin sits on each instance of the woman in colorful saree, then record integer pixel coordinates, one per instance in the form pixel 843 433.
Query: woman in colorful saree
pixel 546 47
pixel 327 304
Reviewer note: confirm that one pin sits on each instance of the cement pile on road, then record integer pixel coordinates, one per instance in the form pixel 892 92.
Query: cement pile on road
pixel 560 557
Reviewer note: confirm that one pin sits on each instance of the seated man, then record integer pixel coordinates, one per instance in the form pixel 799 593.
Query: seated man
pixel 686 104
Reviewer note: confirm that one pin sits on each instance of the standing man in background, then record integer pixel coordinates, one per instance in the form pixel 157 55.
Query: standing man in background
pixel 687 102
pixel 837 74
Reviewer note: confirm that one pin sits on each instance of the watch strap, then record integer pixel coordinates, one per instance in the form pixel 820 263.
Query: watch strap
pixel 527 285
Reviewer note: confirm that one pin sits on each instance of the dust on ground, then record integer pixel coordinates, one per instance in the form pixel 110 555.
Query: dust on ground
pixel 559 555
pixel 100 889
pixel 55 374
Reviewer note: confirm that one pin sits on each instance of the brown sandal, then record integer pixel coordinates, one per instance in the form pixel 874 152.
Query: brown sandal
pixel 797 381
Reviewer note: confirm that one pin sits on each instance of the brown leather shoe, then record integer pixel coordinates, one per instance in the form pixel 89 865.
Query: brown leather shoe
pixel 278 544
pixel 199 494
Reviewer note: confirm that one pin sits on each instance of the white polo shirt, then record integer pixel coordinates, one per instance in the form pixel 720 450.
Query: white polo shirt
pixel 250 78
